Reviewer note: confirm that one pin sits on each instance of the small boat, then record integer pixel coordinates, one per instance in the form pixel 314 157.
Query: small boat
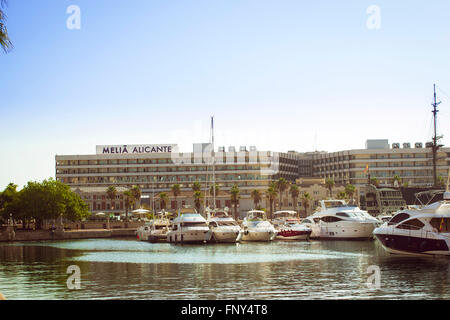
pixel 423 232
pixel 256 227
pixel 189 227
pixel 159 228
pixel 336 220
pixel 223 227
pixel 289 227
pixel 143 232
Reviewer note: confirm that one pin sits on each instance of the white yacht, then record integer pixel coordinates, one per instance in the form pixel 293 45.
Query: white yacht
pixel 223 227
pixel 424 231
pixel 160 228
pixel 335 219
pixel 256 227
pixel 143 232
pixel 288 226
pixel 189 227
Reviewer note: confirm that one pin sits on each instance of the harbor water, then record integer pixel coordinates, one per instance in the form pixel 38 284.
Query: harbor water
pixel 129 269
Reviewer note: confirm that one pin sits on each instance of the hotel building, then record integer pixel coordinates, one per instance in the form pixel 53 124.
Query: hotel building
pixel 414 165
pixel 155 168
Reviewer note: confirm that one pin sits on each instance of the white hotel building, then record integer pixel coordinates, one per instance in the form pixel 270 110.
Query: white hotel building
pixel 155 168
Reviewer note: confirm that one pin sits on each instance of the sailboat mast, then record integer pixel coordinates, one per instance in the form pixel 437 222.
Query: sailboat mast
pixel 435 146
pixel 213 163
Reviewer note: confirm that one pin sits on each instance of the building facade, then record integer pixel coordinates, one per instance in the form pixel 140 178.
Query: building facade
pixel 413 165
pixel 156 168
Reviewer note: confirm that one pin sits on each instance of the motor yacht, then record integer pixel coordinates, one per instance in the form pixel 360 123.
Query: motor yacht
pixel 335 219
pixel 424 231
pixel 160 228
pixel 289 226
pixel 223 227
pixel 189 227
pixel 256 227
pixel 143 232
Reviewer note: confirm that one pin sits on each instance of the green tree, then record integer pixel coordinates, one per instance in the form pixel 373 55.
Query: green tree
pixel 271 194
pixel 111 193
pixel 294 191
pixel 128 201
pixel 375 181
pixel 342 195
pixel 5 41
pixel 198 196
pixel 196 186
pixel 176 190
pixel 350 191
pixel 440 182
pixel 282 185
pixel 306 198
pixel 329 183
pixel 163 199
pixel 136 191
pixel 234 197
pixel 256 196
pixel 50 199
pixel 8 202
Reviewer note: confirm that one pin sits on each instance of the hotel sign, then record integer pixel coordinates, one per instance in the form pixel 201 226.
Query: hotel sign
pixel 135 148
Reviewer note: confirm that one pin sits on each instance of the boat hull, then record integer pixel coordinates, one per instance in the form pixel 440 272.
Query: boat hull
pixel 251 235
pixel 188 237
pixel 223 236
pixel 293 235
pixel 357 231
pixel 408 245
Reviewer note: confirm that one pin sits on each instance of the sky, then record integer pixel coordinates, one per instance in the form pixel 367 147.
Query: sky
pixel 279 75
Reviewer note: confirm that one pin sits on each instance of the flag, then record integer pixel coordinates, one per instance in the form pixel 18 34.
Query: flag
pixel 366 169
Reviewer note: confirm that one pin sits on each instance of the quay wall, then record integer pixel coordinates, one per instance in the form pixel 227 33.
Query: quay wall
pixel 38 235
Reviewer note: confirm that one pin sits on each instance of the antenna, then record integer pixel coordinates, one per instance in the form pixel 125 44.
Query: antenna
pixel 435 146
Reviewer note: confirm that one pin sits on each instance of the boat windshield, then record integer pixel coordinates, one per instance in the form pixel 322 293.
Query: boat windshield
pixel 227 223
pixel 194 224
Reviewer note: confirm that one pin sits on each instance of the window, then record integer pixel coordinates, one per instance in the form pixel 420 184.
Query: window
pixel 441 224
pixel 342 214
pixel 398 218
pixel 331 219
pixel 413 224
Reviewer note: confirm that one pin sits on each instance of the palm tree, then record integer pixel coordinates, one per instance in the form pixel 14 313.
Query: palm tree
pixel 282 185
pixel 111 193
pixel 136 191
pixel 198 196
pixel 272 196
pixel 305 202
pixel 163 198
pixel 341 195
pixel 128 202
pixel 234 195
pixel 196 186
pixel 256 196
pixel 329 183
pixel 216 190
pixel 350 191
pixel 375 181
pixel 5 42
pixel 176 190
pixel 294 191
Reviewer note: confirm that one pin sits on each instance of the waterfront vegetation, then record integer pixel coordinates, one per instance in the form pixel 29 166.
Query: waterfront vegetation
pixel 5 41
pixel 39 201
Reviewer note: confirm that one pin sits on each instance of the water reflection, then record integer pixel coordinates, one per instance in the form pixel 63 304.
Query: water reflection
pixel 128 269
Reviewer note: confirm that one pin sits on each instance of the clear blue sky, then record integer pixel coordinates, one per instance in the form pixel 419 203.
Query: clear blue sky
pixel 281 75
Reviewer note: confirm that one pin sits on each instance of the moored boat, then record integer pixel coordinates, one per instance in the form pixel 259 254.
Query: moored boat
pixel 289 227
pixel 256 227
